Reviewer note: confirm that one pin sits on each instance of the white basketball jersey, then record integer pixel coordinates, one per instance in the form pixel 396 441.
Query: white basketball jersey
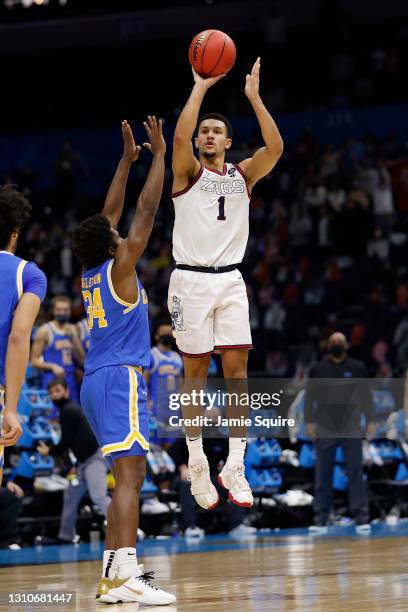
pixel 212 219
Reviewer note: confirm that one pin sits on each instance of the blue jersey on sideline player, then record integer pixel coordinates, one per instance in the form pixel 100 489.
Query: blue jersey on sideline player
pixel 23 288
pixel 57 350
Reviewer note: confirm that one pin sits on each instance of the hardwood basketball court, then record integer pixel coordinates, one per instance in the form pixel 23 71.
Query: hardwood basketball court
pixel 272 572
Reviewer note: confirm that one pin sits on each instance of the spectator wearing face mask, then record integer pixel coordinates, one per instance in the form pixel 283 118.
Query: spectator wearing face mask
pixel 57 349
pixel 333 413
pixel 166 366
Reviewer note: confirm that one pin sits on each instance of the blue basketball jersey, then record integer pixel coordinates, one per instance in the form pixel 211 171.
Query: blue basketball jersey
pixel 59 349
pixel 11 274
pixel 119 330
pixel 165 368
pixel 84 334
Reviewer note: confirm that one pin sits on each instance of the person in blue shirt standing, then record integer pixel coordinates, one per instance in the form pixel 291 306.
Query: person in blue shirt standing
pixel 23 287
pixel 57 349
pixel 166 366
pixel 84 334
pixel 113 392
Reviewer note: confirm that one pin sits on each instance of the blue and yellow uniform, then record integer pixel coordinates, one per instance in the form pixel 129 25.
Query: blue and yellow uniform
pixel 60 351
pixel 17 277
pixel 84 334
pixel 165 368
pixel 113 393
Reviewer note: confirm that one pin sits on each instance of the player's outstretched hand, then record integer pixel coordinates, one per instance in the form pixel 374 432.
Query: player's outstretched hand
pixel 154 130
pixel 252 81
pixel 12 429
pixel 206 83
pixel 130 149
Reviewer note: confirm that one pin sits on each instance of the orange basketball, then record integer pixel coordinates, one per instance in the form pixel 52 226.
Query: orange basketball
pixel 211 53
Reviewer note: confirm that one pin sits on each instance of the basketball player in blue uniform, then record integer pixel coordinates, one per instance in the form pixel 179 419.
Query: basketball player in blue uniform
pixel 84 334
pixel 57 350
pixel 166 366
pixel 113 393
pixel 23 287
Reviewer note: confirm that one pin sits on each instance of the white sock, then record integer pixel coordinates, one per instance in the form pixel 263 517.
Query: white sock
pixel 109 564
pixel 195 450
pixel 127 562
pixel 237 448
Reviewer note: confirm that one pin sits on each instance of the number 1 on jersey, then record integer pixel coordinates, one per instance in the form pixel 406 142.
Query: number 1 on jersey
pixel 221 209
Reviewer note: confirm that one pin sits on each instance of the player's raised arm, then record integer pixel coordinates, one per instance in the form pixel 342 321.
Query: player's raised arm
pixel 265 158
pixel 148 202
pixel 115 198
pixel 185 164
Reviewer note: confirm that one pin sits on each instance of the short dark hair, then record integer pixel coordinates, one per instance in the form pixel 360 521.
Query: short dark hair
pixel 163 321
pixel 61 298
pixel 91 241
pixel 218 117
pixel 57 381
pixel 14 212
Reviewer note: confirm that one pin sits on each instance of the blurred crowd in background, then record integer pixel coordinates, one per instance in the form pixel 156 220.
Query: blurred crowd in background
pixel 327 247
pixel 327 250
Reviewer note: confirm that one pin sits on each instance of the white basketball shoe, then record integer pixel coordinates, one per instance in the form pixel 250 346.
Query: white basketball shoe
pixel 206 495
pixel 232 477
pixel 139 589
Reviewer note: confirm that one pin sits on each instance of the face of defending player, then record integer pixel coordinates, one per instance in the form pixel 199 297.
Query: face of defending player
pixel 212 140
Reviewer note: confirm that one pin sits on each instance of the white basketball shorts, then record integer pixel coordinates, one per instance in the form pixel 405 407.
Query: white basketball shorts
pixel 209 311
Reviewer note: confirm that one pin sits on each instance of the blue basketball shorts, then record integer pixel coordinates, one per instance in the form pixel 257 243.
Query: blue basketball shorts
pixel 114 400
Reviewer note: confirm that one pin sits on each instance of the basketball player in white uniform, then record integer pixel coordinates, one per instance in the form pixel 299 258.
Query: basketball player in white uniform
pixel 207 295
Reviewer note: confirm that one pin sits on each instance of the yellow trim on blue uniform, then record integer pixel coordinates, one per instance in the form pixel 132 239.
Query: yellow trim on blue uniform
pixel 134 434
pixel 20 269
pixel 114 294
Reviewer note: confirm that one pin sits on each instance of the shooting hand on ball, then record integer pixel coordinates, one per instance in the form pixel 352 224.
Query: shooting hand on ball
pixel 130 149
pixel 252 81
pixel 206 83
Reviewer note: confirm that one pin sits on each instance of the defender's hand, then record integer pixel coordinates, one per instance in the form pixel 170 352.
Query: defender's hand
pixel 252 81
pixel 154 130
pixel 12 429
pixel 130 149
pixel 206 83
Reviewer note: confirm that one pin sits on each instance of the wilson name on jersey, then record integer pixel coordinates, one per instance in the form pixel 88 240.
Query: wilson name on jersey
pixel 212 218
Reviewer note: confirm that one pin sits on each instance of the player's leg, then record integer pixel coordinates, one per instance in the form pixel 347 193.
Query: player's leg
pixel 232 337
pixel 92 393
pixel 123 430
pixel 110 561
pixel 191 303
pixel 195 378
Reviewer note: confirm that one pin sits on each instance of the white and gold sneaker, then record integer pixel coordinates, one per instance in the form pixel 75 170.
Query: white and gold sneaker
pixel 206 495
pixel 103 587
pixel 232 477
pixel 137 589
